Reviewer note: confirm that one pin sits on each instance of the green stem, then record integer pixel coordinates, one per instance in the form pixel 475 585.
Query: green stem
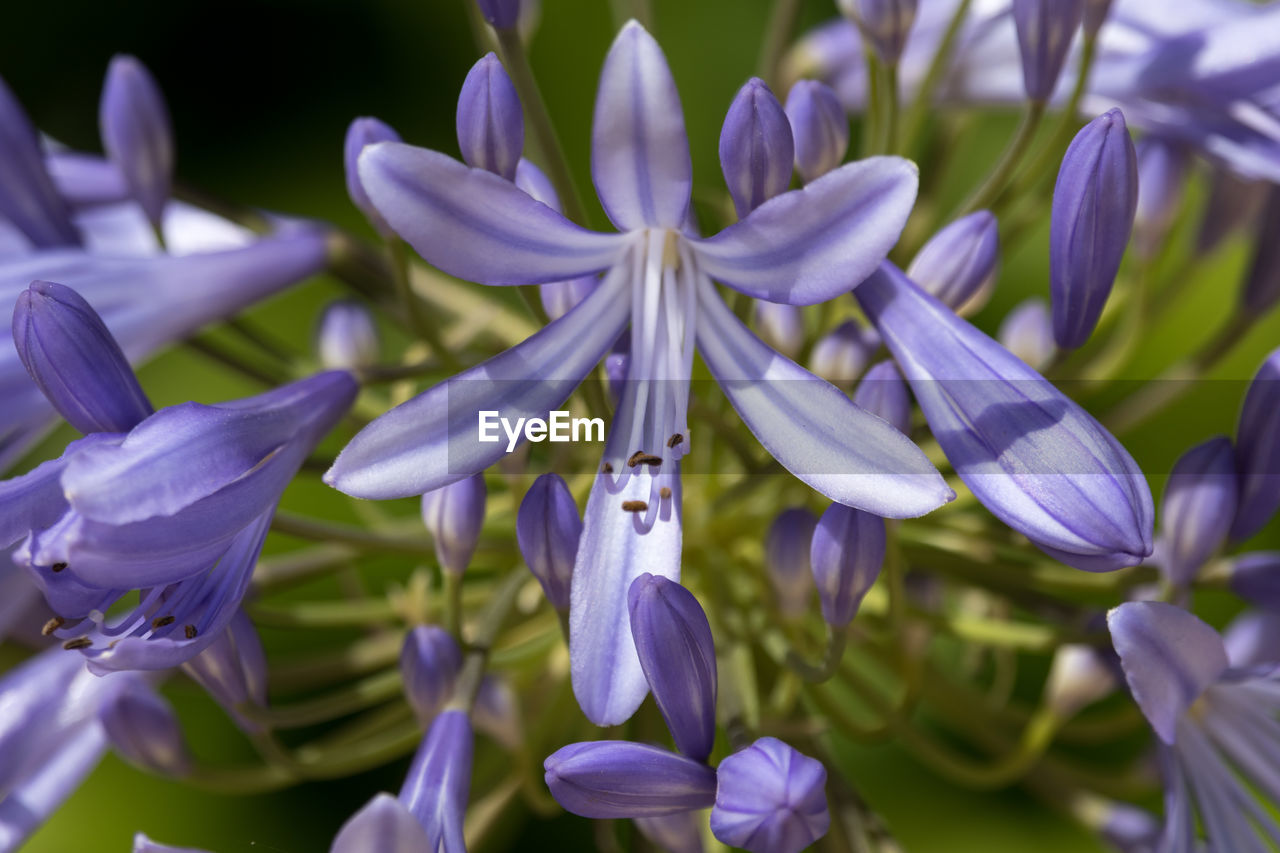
pixel 355 613
pixel 837 639
pixel 229 358
pixel 452 603
pixel 479 646
pixel 892 107
pixel 357 696
pixel 872 114
pixel 922 105
pixel 1009 161
pixel 418 321
pixel 327 531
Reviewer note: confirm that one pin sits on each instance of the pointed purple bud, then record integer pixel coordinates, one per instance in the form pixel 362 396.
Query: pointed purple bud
pixel 847 554
pixel 1027 332
pixel 679 832
pixel 28 197
pixel 614 778
pixel 678 656
pixel 136 133
pixel 770 799
pixel 1198 508
pixel 501 14
pixel 1033 457
pixel 490 121
pixel 454 515
pixel 439 780
pixel 384 825
pixel 884 23
pixel 958 265
pixel 780 326
pixel 362 133
pixel 1094 204
pixel 1095 15
pixel 786 557
pixel 346 336
pixel 841 355
pixel 1258 451
pixel 1163 168
pixel 883 393
pixel 1256 578
pixel 1046 29
pixel 548 527
pixel 756 148
pixel 143 728
pixel 819 128
pixel 429 663
pixel 75 360
pixel 233 669
pixel 1262 286
pixel 497 712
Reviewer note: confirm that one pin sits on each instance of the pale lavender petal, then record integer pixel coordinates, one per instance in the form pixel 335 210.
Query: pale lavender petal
pixel 143 728
pixel 384 825
pixel 1258 451
pixel 678 832
pixel 137 134
pixel 346 336
pixel 1198 507
pixel 28 198
pixel 24 810
pixel 85 180
pixel 439 781
pixel 770 799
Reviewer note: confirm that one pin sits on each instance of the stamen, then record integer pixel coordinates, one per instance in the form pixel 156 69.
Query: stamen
pixel 58 567
pixel 52 625
pixel 608 468
pixel 635 506
pixel 161 622
pixel 190 631
pixel 664 492
pixel 641 457
pixel 77 643
pixel 675 439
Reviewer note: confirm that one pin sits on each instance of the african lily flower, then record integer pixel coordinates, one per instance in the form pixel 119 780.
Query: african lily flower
pixel 800 247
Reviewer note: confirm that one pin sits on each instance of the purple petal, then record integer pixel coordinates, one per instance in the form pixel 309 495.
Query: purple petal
pixel 770 799
pixel 812 244
pixel 1169 657
pixel 429 663
pixel 233 668
pixel 1256 578
pixel 383 825
pixel 1262 286
pixel 136 133
pixel 85 180
pixel 143 728
pixel 846 556
pixel 883 23
pixel 678 832
pixel 362 133
pixel 958 264
pixel 476 225
pixel 610 779
pixel 1253 637
pixel 1198 508
pixel 454 515
pixel 439 780
pixel 812 428
pixel 27 807
pixel 1258 451
pixel 820 128
pixel 490 121
pixel 28 198
pixel 548 529
pixel 1046 29
pixel 786 550
pixel 639 152
pixel 756 148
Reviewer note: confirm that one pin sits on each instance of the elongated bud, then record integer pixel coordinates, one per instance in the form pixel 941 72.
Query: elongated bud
pixel 756 148
pixel 1198 508
pixel 28 197
pixel 454 515
pixel 501 14
pixel 1256 578
pixel 137 135
pixel 841 355
pixel 847 554
pixel 883 393
pixel 1077 678
pixel 142 727
pixel 1233 203
pixel 770 799
pixel 1094 204
pixel 490 121
pixel 673 640
pixel 1027 332
pixel 1046 29
pixel 385 825
pixel 76 361
pixel 548 528
pixel 1095 15
pixel 883 23
pixel 429 663
pixel 786 556
pixel 362 133
pixel 1262 286
pixel 1079 495
pixel 1258 451
pixel 615 778
pixel 780 326
pixel 497 712
pixel 819 128
pixel 1162 177
pixel 233 669
pixel 439 780
pixel 346 336
pixel 958 265
pixel 680 832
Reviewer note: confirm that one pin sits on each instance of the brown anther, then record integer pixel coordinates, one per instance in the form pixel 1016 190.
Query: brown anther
pixel 664 493
pixel 161 622
pixel 77 643
pixel 634 506
pixel 634 459
pixel 190 631
pixel 57 567
pixel 52 625
pixel 676 438
pixel 608 467
pixel 647 459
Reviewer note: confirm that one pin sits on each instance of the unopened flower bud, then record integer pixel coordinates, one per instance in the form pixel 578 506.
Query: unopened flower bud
pixel 76 361
pixel 1077 679
pixel 28 197
pixel 756 148
pixel 364 132
pixel 142 727
pixel 439 779
pixel 819 128
pixel 786 557
pixel 454 515
pixel 1262 285
pixel 346 336
pixel 1162 177
pixel 1258 451
pixel 780 326
pixel 1095 15
pixel 841 355
pixel 137 135
pixel 1046 29
pixel 846 555
pixel 1027 332
pixel 233 668
pixel 501 14
pixel 548 528
pixel 497 712
pixel 884 23
pixel 958 265
pixel 883 393
pixel 429 663
pixel 615 778
pixel 770 799
pixel 1094 204
pixel 1255 577
pixel 1198 508
pixel 490 120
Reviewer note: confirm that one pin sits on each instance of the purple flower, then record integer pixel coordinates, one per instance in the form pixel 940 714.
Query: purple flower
pixel 1198 508
pixel 819 127
pixel 884 23
pixel 1046 29
pixel 1027 332
pixel 454 515
pixel 1038 461
pixel 846 555
pixel 362 133
pixel 1258 451
pixel 614 778
pixel 786 557
pixel 346 336
pixel 490 121
pixel 756 148
pixel 959 263
pixel 800 247
pixel 429 663
pixel 439 780
pixel 384 825
pixel 883 393
pixel 28 197
pixel 770 799
pixel 548 528
pixel 142 727
pixel 137 135
pixel 840 355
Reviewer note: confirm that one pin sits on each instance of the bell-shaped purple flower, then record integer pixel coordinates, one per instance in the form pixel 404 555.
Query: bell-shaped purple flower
pixel 1034 458
pixel 678 832
pixel 846 555
pixel 548 528
pixel 1258 451
pixel 233 669
pixel 361 133
pixel 142 727
pixel 346 336
pixel 1163 168
pixel 780 326
pixel 1095 15
pixel 429 663
pixel 75 361
pixel 614 778
pixel 1094 204
pixel 1255 577
pixel 885 24
pixel 1262 286
pixel 501 14
pixel 959 263
pixel 673 640
pixel 490 121
pixel 136 133
pixel 786 558
pixel 28 197
pixel 841 355
pixel 454 515
pixel 1046 29
pixel 1198 508
pixel 770 799
pixel 819 128
pixel 439 780
pixel 756 148
pixel 883 393
pixel 385 825
pixel 1027 332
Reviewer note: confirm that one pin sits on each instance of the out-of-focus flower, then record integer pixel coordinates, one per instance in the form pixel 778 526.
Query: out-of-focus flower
pixel 770 799
pixel 885 24
pixel 28 198
pixel 786 557
pixel 959 263
pixel 548 528
pixel 142 727
pixel 1163 168
pixel 1077 678
pixel 384 824
pixel 143 844
pixel 1027 332
pixel 346 336
pixel 679 832
pixel 1258 451
pixel 847 555
pixel 429 664
pixel 1198 508
pixel 233 669
pixel 454 515
pixel 883 393
pixel 819 128
pixel 490 121
pixel 137 134
pixel 1046 29
pixel 840 355
pixel 780 326
pixel 1262 285
pixel 501 14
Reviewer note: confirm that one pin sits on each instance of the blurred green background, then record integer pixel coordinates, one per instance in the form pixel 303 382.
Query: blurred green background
pixel 261 94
